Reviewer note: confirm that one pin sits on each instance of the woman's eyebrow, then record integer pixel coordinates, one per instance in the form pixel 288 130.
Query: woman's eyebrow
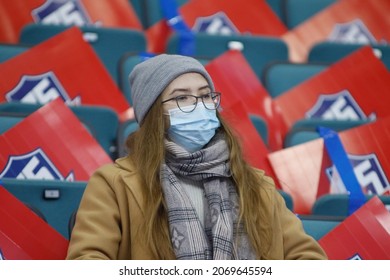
pixel 187 90
pixel 183 90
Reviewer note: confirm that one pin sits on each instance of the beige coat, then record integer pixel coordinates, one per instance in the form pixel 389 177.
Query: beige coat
pixel 111 212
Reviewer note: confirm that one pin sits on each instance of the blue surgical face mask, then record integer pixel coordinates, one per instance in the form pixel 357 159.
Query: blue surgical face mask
pixel 192 130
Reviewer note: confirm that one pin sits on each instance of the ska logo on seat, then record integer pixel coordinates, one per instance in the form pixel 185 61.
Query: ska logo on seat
pixel 339 106
pixel 369 174
pixel 218 23
pixel 356 257
pixel 40 89
pixel 33 165
pixel 352 32
pixel 61 12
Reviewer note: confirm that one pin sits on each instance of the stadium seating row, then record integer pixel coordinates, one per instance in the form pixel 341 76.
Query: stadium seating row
pixel 290 12
pixel 57 203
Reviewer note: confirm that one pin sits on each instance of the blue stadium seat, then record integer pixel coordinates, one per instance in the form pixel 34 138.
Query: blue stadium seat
pixel 150 10
pixel 288 199
pixel 318 226
pixel 125 129
pixel 330 52
pixel 337 204
pixel 306 130
pixel 109 43
pixel 126 64
pixel 258 50
pixel 278 77
pixel 294 12
pixel 102 122
pixel 56 200
pixel 276 6
pixel 7 121
pixel 140 8
pixel 8 51
pixel 261 127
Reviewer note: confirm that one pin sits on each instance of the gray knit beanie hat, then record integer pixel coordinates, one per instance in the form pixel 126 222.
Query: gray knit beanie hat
pixel 149 79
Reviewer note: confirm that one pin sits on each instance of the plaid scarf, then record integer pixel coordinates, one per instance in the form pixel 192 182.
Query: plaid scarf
pixel 221 238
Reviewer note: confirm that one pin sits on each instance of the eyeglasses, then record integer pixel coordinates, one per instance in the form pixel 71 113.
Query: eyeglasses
pixel 188 103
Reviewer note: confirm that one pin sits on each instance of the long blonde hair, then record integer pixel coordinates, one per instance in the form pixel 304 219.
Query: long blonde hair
pixel 146 148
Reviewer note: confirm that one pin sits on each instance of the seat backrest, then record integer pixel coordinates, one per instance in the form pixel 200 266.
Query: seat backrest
pixel 276 6
pixel 151 10
pixel 331 52
pixel 55 199
pixel 7 121
pixel 258 50
pixel 102 122
pixel 318 226
pixel 281 76
pixel 337 204
pixel 126 64
pixel 261 127
pixel 8 51
pixel 125 129
pixel 295 12
pixel 306 130
pixel 288 199
pixel 109 43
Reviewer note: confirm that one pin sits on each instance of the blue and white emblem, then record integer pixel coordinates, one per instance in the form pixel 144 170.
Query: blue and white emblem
pixel 1 256
pixel 217 24
pixel 61 12
pixel 356 257
pixel 33 165
pixel 352 32
pixel 40 89
pixel 339 106
pixel 369 174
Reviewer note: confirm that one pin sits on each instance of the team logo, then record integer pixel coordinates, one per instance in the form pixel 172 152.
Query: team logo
pixel 1 256
pixel 339 106
pixel 356 257
pixel 218 23
pixel 40 89
pixel 58 12
pixel 352 32
pixel 33 165
pixel 369 174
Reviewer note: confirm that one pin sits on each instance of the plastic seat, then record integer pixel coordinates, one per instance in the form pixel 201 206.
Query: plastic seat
pixel 279 77
pixel 7 121
pixel 56 200
pixel 306 130
pixel 258 50
pixel 288 199
pixel 276 6
pixel 102 122
pixel 261 127
pixel 152 11
pixel 318 226
pixel 295 12
pixel 126 64
pixel 337 204
pixel 8 51
pixel 125 129
pixel 331 52
pixel 109 43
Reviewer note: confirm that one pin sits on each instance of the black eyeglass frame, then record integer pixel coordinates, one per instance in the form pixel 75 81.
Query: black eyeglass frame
pixel 176 98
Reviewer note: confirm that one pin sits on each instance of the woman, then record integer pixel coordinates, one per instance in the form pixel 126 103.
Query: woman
pixel 184 191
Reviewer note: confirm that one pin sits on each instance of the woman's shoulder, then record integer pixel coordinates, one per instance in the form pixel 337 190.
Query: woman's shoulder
pixel 111 172
pixel 120 165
